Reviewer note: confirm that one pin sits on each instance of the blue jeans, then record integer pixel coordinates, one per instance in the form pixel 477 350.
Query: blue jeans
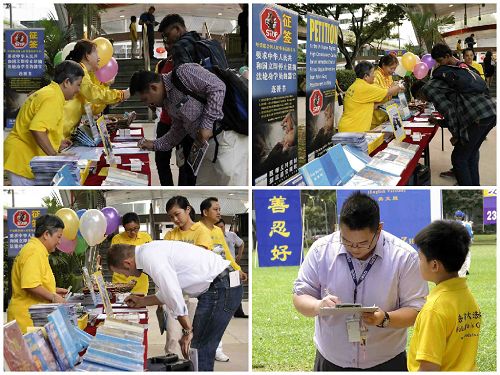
pixel 465 158
pixel 215 309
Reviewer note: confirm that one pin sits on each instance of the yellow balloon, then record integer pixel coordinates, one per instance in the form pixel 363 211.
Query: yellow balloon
pixel 104 50
pixel 71 222
pixel 409 61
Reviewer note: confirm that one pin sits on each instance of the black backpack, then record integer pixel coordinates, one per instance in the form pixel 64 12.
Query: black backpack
pixel 461 78
pixel 210 53
pixel 235 107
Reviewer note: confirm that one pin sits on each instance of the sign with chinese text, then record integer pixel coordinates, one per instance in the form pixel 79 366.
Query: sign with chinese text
pixel 321 49
pixel 490 207
pixel 279 227
pixel 274 94
pixel 403 212
pixel 24 53
pixel 21 223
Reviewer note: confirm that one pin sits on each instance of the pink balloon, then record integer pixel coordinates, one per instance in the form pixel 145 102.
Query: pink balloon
pixel 428 60
pixel 68 246
pixel 420 70
pixel 108 71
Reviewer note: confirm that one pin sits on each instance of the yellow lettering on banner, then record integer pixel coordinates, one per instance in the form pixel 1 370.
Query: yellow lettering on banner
pixel 287 37
pixel 280 253
pixel 278 205
pixel 287 21
pixel 322 32
pixel 35 214
pixel 279 228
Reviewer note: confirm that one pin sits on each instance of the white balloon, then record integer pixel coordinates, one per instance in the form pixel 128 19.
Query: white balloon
pixel 400 69
pixel 67 49
pixel 93 227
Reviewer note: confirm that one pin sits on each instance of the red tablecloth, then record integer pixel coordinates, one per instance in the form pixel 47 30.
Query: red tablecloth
pixel 94 179
pixel 423 144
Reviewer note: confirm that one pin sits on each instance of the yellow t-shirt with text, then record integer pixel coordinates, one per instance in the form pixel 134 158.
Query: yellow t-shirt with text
pixel 142 285
pixel 42 112
pixel 31 269
pixel 385 82
pixel 447 328
pixel 358 106
pixel 198 235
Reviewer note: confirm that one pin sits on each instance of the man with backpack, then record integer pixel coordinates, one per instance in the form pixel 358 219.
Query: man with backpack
pixel 460 95
pixel 228 147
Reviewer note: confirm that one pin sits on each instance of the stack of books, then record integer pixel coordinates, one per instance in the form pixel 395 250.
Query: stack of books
pixel 45 167
pixel 43 355
pixel 357 140
pixel 40 312
pixel 84 136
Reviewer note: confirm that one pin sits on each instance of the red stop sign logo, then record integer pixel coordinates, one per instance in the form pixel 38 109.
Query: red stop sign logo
pixel 22 219
pixel 19 39
pixel 316 102
pixel 270 24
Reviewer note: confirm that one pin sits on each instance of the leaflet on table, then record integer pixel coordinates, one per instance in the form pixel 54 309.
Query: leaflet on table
pixel 88 153
pixel 122 324
pixel 129 151
pixel 131 317
pixel 404 147
pixel 121 177
pixel 372 177
pixel 42 354
pixel 103 292
pixel 131 352
pixel 120 333
pixel 357 163
pixel 103 131
pixel 335 311
pixel 123 145
pixel 92 367
pixel 196 156
pixel 67 175
pixel 112 362
pixel 397 123
pixel 341 163
pixel 403 106
pixel 390 161
pixel 417 124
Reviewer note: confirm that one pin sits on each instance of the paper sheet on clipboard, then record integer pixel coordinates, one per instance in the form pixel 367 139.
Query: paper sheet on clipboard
pixel 335 311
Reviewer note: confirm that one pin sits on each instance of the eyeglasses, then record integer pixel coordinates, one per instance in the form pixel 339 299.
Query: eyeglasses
pixel 132 230
pixel 358 245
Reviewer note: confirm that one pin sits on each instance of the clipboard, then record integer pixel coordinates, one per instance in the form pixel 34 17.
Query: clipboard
pixel 335 311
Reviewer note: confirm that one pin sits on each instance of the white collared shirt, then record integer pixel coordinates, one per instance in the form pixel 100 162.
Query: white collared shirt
pixel 393 282
pixel 178 268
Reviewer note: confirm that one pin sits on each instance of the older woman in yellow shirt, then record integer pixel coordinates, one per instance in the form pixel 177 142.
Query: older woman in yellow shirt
pixel 132 236
pixel 38 127
pixel 92 91
pixel 32 278
pixel 383 78
pixel 361 97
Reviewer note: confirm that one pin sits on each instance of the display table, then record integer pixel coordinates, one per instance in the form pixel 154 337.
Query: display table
pixel 95 179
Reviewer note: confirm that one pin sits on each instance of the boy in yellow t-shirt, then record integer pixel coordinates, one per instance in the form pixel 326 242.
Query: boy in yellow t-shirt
pixel 446 333
pixel 132 236
pixel 38 130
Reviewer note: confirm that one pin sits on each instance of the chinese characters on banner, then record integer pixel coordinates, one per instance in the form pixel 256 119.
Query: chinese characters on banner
pixel 274 94
pixel 279 227
pixel 24 62
pixel 490 207
pixel 321 46
pixel 403 212
pixel 21 223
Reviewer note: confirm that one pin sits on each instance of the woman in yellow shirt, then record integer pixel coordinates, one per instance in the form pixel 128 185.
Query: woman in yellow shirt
pixel 459 46
pixel 469 56
pixel 361 98
pixel 186 230
pixel 92 91
pixel 383 78
pixel 32 278
pixel 132 236
pixel 38 127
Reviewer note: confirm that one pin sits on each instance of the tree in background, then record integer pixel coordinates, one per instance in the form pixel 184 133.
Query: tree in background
pixel 382 17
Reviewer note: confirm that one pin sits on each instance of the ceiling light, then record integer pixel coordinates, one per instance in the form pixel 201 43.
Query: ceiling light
pixel 219 14
pixel 449 6
pixel 122 16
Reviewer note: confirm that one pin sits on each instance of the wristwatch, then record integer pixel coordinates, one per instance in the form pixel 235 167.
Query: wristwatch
pixel 386 321
pixel 186 332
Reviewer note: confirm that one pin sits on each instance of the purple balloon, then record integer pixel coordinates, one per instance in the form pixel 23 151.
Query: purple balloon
pixel 112 219
pixel 428 60
pixel 420 70
pixel 68 246
pixel 108 71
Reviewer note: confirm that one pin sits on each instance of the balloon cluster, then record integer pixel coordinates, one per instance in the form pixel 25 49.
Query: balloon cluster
pixel 85 228
pixel 108 67
pixel 411 63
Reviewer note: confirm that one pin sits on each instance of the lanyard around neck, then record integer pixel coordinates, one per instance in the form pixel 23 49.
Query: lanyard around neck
pixel 363 274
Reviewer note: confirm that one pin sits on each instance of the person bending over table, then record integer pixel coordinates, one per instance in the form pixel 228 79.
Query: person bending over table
pixel 383 78
pixel 38 129
pixel 92 91
pixel 362 264
pixel 361 98
pixel 32 278
pixel 179 268
pixel 132 236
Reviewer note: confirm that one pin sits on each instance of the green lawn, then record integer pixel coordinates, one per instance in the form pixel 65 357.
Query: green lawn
pixel 282 338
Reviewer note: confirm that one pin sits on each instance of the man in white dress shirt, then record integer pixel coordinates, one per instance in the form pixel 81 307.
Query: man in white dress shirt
pixel 361 264
pixel 179 268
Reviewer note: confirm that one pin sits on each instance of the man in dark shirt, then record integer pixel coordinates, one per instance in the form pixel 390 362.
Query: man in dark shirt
pixel 243 25
pixel 147 19
pixel 470 41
